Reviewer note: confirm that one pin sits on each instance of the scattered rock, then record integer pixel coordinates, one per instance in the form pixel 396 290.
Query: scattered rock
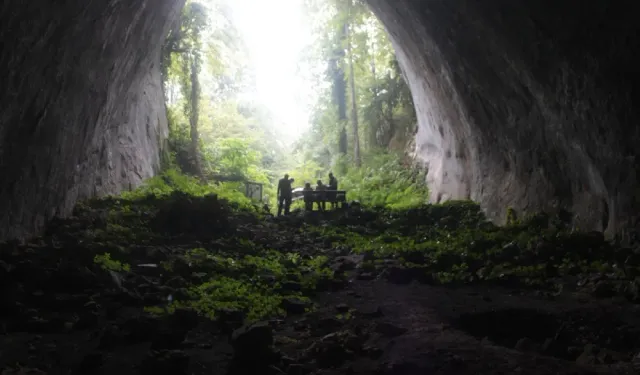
pixel 365 276
pixel 5 272
pixel 525 344
pixel 372 352
pixel 140 328
pixel 299 369
pixel 229 319
pixel 166 362
pixel 607 357
pixel 363 366
pixel 587 357
pixel 91 362
pixel 375 312
pixel 399 275
pixel 331 351
pixel 604 289
pixel 635 362
pixel 328 325
pixel 111 337
pixel 389 330
pixel 253 341
pixel 553 347
pixel 23 371
pixel 347 263
pixel 294 306
pixel 402 368
pixel 253 349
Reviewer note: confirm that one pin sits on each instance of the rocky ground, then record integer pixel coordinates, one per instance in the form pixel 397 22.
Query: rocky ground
pixel 185 285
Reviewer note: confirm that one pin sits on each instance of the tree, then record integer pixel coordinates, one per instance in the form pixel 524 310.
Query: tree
pixel 361 66
pixel 352 79
pixel 339 87
pixel 182 60
pixel 195 112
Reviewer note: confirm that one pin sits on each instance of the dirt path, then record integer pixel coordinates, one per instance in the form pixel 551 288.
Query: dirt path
pixel 435 344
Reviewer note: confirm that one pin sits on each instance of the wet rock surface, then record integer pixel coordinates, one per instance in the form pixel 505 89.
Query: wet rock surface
pixel 84 110
pixel 524 104
pixel 127 295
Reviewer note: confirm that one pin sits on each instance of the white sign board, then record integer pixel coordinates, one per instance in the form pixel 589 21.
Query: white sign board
pixel 253 191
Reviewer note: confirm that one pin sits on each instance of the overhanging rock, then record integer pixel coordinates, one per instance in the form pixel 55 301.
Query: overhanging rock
pixel 525 104
pixel 82 105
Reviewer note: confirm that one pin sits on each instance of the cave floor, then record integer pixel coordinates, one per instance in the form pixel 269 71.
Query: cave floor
pixel 65 311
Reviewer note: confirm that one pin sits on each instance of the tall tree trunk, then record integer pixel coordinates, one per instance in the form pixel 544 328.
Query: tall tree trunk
pixel 195 114
pixel 375 127
pixel 354 106
pixel 340 89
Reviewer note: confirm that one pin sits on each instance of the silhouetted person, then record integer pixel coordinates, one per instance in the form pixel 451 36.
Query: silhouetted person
pixel 333 185
pixel 307 194
pixel 320 195
pixel 284 195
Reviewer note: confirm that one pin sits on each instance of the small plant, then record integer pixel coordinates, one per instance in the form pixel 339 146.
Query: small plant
pixel 106 263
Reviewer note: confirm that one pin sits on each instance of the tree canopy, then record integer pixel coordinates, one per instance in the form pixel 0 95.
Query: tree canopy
pixel 363 109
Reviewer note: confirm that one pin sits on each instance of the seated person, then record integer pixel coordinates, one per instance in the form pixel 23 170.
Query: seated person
pixel 320 197
pixel 307 194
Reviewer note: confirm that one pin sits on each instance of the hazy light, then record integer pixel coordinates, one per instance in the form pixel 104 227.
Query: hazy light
pixel 276 33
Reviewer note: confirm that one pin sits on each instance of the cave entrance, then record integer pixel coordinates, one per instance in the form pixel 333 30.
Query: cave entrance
pixel 255 90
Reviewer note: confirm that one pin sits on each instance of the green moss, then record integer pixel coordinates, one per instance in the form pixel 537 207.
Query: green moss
pixel 511 216
pixel 254 265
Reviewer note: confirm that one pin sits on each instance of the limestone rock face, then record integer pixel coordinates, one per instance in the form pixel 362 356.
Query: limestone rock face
pixel 82 105
pixel 525 104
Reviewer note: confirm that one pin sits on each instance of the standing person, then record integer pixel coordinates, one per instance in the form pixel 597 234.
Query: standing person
pixel 284 195
pixel 320 196
pixel 307 194
pixel 333 186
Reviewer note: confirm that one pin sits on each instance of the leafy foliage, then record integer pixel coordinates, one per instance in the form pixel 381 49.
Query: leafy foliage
pixel 108 264
pixel 359 58
pixel 385 107
pixel 384 181
pixel 172 181
pixel 238 139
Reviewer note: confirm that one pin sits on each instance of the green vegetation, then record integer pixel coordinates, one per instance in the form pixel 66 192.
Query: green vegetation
pixel 364 106
pixel 384 181
pixel 173 181
pixel 220 259
pixel 216 134
pixel 106 263
pixel 223 139
pixel 220 256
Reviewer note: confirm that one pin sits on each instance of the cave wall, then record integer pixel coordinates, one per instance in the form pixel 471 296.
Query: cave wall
pixel 525 104
pixel 82 105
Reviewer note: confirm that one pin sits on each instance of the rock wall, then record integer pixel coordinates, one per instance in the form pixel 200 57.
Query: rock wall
pixel 525 104
pixel 82 105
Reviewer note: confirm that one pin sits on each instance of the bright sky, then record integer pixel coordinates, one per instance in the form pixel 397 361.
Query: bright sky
pixel 276 32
